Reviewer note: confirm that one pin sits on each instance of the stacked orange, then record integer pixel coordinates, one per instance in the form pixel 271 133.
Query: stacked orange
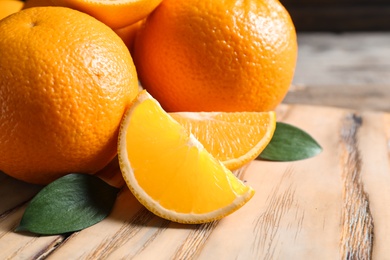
pixel 116 14
pixel 120 15
pixel 8 7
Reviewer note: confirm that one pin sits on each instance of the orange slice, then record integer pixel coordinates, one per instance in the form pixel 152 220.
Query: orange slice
pixel 233 138
pixel 169 171
pixel 114 13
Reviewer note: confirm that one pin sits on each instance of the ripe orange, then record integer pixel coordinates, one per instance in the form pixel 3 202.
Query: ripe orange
pixel 215 55
pixel 129 33
pixel 170 172
pixel 8 7
pixel 116 14
pixel 36 3
pixel 234 138
pixel 66 80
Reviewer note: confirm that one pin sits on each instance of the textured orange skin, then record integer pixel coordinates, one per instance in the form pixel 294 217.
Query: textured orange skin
pixel 217 55
pixel 8 7
pixel 116 14
pixel 65 81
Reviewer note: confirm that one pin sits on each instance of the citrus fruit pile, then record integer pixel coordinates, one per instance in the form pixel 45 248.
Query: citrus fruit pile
pixel 212 73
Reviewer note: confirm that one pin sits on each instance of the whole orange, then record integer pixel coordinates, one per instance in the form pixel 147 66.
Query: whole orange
pixel 65 81
pixel 217 55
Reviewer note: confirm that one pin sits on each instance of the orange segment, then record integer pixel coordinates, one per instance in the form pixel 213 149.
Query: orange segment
pixel 170 172
pixel 114 13
pixel 234 138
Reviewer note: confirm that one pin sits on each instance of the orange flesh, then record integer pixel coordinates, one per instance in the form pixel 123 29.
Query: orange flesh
pixel 155 174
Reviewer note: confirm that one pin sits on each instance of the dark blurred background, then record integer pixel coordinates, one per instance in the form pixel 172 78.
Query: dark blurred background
pixel 344 53
pixel 339 15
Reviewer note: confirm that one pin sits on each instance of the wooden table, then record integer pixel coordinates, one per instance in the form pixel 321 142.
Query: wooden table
pixel 332 206
pixel 348 70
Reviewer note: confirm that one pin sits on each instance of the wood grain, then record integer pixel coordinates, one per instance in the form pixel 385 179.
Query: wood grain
pixel 357 222
pixel 332 206
pixel 361 98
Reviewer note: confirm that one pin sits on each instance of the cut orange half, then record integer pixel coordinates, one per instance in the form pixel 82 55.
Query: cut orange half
pixel 114 13
pixel 169 171
pixel 234 138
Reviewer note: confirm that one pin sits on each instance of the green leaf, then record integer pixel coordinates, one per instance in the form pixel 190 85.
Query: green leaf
pixel 71 203
pixel 290 143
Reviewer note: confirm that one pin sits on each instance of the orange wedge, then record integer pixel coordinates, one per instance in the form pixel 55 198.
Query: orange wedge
pixel 169 171
pixel 233 138
pixel 114 13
